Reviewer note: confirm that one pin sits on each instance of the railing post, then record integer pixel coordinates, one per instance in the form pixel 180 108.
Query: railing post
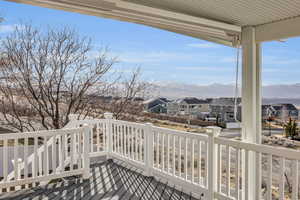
pixel 212 161
pixel 148 149
pixel 109 117
pixel 86 146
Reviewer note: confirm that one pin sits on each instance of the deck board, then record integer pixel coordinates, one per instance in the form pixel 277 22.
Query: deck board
pixel 110 180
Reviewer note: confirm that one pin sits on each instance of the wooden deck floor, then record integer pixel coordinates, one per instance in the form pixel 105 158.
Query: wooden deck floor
pixel 110 180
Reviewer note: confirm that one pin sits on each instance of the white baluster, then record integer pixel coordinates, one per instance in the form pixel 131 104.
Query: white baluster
pixel 269 178
pixel 199 161
pixel 141 144
pixel 246 174
pixel 26 157
pixel 157 149
pixel 15 161
pixel 35 158
pixel 174 155
pixel 168 153
pixel 72 152
pixel 185 158
pixel 227 170
pixel 281 178
pixel 295 180
pixel 86 158
pixel 237 173
pixel 98 131
pixel 148 158
pixel 219 166
pixel 46 159
pixel 162 151
pixel 5 160
pixel 179 156
pixel 54 154
pixel 193 160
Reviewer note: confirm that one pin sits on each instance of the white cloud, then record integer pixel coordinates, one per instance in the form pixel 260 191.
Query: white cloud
pixel 169 57
pixel 155 57
pixel 207 68
pixel 277 60
pixel 203 45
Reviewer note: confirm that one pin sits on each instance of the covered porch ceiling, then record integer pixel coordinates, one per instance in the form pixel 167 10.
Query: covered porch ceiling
pixel 219 21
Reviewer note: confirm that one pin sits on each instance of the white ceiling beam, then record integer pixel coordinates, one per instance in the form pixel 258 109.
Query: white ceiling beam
pixel 278 30
pixel 174 23
pixel 193 30
pixel 177 16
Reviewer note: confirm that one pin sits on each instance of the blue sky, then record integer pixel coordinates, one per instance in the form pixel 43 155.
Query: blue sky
pixel 163 56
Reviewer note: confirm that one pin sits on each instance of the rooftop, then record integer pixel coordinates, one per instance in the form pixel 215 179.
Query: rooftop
pixel 191 100
pixel 287 106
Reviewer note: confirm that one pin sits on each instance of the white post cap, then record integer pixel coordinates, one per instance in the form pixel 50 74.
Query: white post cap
pixel 216 130
pixel 108 115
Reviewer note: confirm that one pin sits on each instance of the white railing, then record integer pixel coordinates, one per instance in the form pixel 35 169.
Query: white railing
pixel 128 141
pixel 278 169
pixel 201 163
pixel 206 163
pixel 98 136
pixel 65 156
pixel 96 141
pixel 178 156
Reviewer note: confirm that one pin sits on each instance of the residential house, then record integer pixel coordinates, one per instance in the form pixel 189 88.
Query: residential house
pixel 268 111
pixel 189 106
pixel 223 109
pixel 285 111
pixel 156 105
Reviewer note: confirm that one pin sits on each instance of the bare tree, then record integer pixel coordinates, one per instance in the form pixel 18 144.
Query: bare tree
pixel 126 95
pixel 47 75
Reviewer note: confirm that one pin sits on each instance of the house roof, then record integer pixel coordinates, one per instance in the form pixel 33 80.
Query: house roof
pixel 277 107
pixel 213 20
pixel 191 100
pixel 265 106
pixel 287 106
pixel 160 99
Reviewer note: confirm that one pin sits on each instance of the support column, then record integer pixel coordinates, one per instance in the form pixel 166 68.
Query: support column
pixel 251 109
pixel 109 134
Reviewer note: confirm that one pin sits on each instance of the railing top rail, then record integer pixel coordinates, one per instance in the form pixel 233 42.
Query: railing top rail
pixel 260 148
pixel 201 136
pixel 209 131
pixel 139 125
pixel 48 133
pixel 73 123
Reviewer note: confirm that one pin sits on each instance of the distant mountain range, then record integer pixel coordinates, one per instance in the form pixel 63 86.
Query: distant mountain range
pixel 271 93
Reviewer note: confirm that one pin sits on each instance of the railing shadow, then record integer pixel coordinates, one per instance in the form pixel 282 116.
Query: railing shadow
pixel 109 179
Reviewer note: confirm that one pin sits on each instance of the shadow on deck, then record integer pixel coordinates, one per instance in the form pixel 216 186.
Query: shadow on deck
pixel 109 180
